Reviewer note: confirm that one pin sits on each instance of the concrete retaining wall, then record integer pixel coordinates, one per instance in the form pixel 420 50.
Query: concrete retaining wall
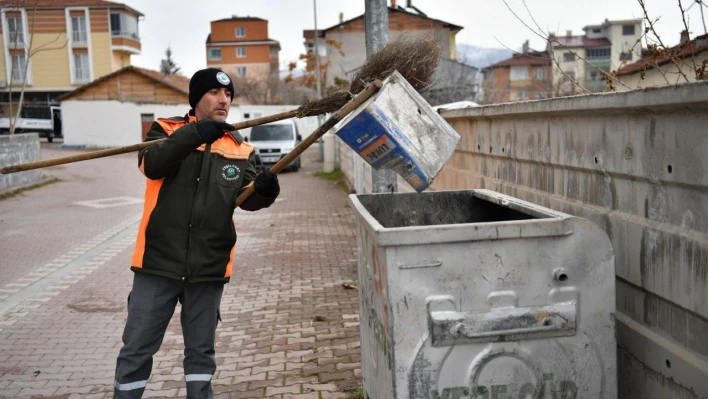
pixel 16 149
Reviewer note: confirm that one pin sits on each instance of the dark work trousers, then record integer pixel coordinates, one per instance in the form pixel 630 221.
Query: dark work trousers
pixel 151 304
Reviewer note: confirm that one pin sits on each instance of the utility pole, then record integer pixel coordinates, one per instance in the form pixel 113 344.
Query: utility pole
pixel 318 76
pixel 376 27
pixel 317 55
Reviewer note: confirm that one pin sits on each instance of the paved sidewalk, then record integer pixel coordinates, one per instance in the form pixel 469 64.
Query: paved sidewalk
pixel 60 326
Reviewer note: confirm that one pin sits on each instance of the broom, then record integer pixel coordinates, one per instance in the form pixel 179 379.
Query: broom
pixel 414 57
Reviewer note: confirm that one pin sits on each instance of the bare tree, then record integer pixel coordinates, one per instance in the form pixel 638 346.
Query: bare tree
pixel 168 65
pixel 19 40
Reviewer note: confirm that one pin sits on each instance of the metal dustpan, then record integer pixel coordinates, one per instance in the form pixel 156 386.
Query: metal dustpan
pixel 397 129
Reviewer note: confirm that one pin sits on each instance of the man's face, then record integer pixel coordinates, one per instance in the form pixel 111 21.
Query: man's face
pixel 214 105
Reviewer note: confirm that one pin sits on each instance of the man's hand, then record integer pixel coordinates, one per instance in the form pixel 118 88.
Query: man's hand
pixel 210 130
pixel 266 184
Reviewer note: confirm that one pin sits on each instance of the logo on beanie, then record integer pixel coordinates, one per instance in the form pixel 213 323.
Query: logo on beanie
pixel 223 78
pixel 230 172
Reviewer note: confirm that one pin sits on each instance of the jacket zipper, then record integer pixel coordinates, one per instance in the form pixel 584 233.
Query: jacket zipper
pixel 194 221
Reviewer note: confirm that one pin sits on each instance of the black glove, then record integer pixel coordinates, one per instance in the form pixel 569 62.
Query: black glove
pixel 210 130
pixel 266 184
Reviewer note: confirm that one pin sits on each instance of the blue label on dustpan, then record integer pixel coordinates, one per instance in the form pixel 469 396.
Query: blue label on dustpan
pixel 376 139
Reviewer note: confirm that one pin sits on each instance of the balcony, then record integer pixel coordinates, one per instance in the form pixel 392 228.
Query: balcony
pixel 125 35
pixel 128 41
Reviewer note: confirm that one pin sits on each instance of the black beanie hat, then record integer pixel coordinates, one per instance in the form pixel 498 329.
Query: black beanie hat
pixel 206 79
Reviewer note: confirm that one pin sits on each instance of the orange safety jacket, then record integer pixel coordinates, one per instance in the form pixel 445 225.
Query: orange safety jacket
pixel 187 230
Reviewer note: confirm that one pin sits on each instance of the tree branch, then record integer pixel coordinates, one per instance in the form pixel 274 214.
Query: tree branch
pixel 546 38
pixel 688 35
pixel 651 27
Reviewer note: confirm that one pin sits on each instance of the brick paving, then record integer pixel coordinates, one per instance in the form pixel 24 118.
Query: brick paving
pixel 289 329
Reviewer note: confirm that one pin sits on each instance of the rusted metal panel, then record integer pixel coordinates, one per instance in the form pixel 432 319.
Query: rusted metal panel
pixel 636 164
pixel 478 294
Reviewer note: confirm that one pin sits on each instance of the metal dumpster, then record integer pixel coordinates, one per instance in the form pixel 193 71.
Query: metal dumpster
pixel 475 294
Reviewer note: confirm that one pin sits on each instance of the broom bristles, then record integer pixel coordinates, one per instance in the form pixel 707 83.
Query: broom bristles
pixel 413 56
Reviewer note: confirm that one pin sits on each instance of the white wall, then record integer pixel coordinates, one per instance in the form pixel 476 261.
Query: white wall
pixel 622 43
pixel 115 124
pixel 109 123
pixel 655 78
pixel 577 67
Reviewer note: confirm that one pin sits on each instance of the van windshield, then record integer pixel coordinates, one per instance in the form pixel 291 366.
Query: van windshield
pixel 271 133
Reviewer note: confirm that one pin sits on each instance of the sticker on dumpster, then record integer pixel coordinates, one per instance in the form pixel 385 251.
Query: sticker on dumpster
pixel 385 150
pixel 378 150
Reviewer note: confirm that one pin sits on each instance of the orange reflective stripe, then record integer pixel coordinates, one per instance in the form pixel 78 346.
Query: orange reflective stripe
pixel 152 190
pixel 230 265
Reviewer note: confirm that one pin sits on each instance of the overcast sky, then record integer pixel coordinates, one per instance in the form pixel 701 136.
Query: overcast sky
pixel 184 25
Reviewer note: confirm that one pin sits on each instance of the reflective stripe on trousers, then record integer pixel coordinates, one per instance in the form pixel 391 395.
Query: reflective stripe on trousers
pixel 198 377
pixel 130 386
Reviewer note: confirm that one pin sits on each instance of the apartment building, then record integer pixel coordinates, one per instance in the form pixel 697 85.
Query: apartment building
pixel 524 76
pixel 604 47
pixel 240 46
pixel 342 48
pixel 55 46
pixel 350 36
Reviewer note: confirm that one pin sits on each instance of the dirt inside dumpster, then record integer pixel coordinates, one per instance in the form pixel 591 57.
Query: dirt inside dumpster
pixel 436 208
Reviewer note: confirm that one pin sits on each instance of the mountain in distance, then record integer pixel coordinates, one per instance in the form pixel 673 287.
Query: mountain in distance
pixel 481 57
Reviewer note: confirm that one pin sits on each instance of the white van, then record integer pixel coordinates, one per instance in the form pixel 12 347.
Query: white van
pixel 273 141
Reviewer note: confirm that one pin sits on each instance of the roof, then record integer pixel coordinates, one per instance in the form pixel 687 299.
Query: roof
pixel 237 18
pixel 581 41
pixel 617 22
pixel 82 3
pixel 533 58
pixel 452 27
pixel 243 42
pixel 680 51
pixel 176 82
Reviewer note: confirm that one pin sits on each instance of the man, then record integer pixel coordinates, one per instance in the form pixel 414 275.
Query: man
pixel 185 244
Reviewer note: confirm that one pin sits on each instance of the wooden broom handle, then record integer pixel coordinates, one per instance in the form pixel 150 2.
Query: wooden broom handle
pixel 135 147
pixel 319 132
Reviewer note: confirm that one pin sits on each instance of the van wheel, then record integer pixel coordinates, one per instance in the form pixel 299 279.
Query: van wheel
pixel 50 139
pixel 296 165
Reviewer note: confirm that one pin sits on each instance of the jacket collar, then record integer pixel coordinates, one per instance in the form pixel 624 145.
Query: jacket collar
pixel 235 135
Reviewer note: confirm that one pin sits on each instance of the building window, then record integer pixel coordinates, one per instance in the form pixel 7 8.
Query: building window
pixel 310 47
pixel 240 52
pixel 602 53
pixel 81 68
pixel 79 33
pixel 626 56
pixel 570 75
pixel 17 33
pixel 568 57
pixel 124 25
pixel 273 53
pixel 628 30
pixel 596 30
pixel 540 74
pixel 519 73
pixel 523 95
pixel 241 72
pixel 240 31
pixel 214 53
pixel 19 67
pixel 595 75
